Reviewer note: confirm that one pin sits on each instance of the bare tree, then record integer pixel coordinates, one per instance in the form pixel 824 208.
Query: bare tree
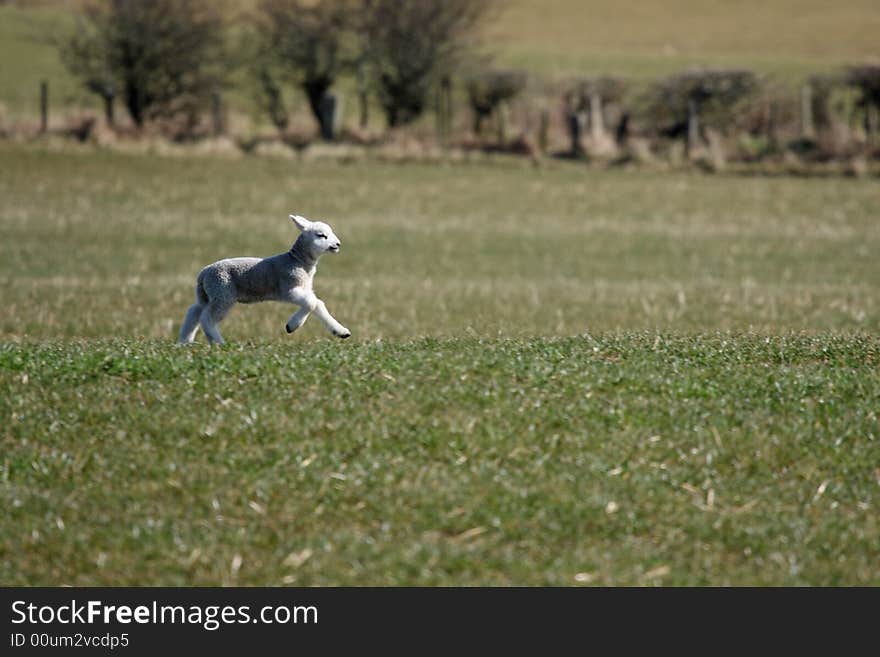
pixel 309 43
pixel 164 56
pixel 412 45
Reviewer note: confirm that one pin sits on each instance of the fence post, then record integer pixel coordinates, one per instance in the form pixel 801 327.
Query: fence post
pixel 501 122
pixel 575 119
pixel 597 125
pixel 44 106
pixel 329 109
pixel 807 129
pixel 544 130
pixel 872 122
pixel 447 107
pixel 217 118
pixel 444 111
pixel 363 97
pixel 108 110
pixel 693 128
pixel 772 132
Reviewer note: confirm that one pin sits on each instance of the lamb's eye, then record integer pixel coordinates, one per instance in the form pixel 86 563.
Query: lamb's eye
pixel 321 236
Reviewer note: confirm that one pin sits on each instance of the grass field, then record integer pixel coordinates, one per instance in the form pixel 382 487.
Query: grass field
pixel 789 39
pixel 786 38
pixel 557 376
pixel 29 56
pixel 438 250
pixel 639 458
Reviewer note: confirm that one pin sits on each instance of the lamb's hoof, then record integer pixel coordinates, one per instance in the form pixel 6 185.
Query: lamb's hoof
pixel 288 329
pixel 344 334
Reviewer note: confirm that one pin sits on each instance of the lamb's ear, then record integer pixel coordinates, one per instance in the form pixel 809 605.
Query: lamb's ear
pixel 301 222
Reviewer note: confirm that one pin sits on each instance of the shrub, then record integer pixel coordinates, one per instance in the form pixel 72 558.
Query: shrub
pixel 680 103
pixel 488 89
pixel 866 79
pixel 165 57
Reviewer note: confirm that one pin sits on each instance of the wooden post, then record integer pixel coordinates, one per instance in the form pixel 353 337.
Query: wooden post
pixel 772 136
pixel 217 117
pixel 622 134
pixel 597 124
pixel 444 112
pixel 872 122
pixel 544 130
pixel 339 114
pixel 576 122
pixel 501 119
pixel 44 106
pixel 363 98
pixel 108 110
pixel 807 129
pixel 328 110
pixel 693 127
pixel 438 116
pixel 446 86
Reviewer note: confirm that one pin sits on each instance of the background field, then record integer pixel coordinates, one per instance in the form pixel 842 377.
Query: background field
pixel 499 248
pixel 789 39
pixel 556 377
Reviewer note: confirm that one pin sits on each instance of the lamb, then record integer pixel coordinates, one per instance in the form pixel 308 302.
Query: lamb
pixel 284 277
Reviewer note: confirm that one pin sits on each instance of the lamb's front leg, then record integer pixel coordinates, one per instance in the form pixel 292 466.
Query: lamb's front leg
pixel 310 303
pixel 330 322
pixel 297 319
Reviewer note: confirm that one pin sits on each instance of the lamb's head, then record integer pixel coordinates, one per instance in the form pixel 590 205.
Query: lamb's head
pixel 316 236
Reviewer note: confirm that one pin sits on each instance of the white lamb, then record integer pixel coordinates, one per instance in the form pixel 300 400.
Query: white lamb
pixel 284 277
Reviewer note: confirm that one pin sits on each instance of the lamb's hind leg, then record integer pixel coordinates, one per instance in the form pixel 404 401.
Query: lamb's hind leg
pixel 213 314
pixel 190 324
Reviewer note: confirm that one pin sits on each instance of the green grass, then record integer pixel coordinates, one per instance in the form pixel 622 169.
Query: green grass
pixel 29 56
pixel 631 459
pixel 632 378
pixel 786 38
pixel 434 250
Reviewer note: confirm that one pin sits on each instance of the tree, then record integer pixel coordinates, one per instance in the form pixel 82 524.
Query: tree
pixel 165 57
pixel 310 43
pixel 412 45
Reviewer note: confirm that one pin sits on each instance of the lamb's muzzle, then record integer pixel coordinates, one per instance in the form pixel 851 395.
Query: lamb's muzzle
pixel 284 277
